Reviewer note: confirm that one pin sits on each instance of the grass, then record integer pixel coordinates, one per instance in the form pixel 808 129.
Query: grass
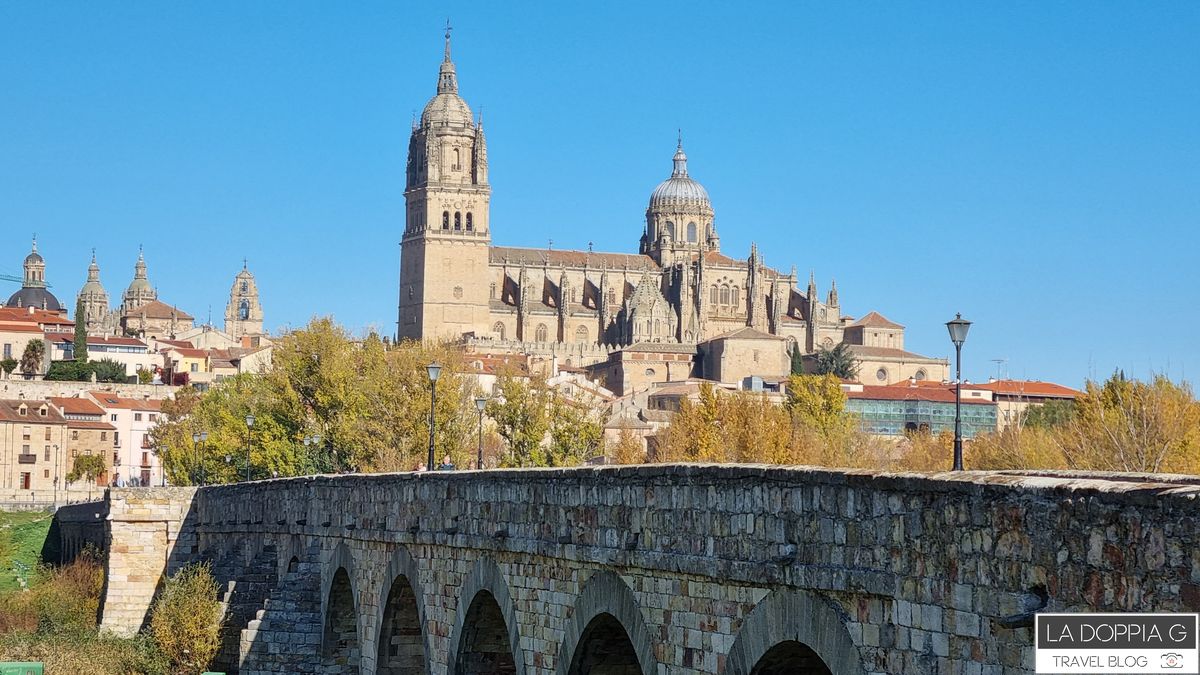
pixel 22 534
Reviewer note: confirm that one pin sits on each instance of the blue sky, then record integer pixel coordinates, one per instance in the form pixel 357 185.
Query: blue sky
pixel 1035 166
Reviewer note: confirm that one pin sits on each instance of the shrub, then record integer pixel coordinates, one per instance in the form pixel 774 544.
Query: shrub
pixel 85 652
pixel 186 619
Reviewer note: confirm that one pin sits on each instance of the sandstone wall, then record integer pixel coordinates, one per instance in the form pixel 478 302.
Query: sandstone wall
pixel 878 573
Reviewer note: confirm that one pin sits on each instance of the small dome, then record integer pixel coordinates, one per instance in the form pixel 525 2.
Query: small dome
pixel 39 298
pixel 680 189
pixel 447 107
pixel 34 258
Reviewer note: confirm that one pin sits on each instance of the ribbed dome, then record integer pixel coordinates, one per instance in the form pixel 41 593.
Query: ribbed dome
pixel 446 107
pixel 34 258
pixel 39 298
pixel 679 189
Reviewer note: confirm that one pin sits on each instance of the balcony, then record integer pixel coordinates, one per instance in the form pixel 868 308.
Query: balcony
pixel 27 459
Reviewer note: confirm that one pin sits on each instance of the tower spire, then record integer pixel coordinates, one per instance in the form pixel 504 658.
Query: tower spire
pixel 680 159
pixel 449 28
pixel 447 81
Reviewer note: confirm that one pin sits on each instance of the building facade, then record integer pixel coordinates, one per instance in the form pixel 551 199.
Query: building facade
pixel 33 443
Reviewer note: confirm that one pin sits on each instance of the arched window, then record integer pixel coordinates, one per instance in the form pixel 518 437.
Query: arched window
pixel 445 220
pixel 245 287
pixel 735 297
pixel 457 220
pixel 244 309
pixel 542 333
pixel 691 232
pixel 670 230
pixel 457 160
pixel 493 296
pixel 581 334
pixel 921 375
pixel 724 295
pixel 498 329
pixel 470 222
pixel 612 296
pixel 714 295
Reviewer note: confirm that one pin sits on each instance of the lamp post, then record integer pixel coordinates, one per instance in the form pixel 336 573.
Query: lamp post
pixel 480 404
pixel 958 328
pixel 249 443
pixel 195 456
pixel 434 369
pixel 198 440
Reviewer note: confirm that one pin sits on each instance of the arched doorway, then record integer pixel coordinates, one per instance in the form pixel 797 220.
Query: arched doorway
pixel 401 646
pixel 790 658
pixel 484 647
pixel 605 649
pixel 339 644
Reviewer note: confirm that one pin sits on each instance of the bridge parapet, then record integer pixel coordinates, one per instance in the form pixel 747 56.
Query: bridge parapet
pixel 895 573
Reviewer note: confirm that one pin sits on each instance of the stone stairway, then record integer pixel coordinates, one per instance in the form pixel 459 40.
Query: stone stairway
pixel 244 592
pixel 285 634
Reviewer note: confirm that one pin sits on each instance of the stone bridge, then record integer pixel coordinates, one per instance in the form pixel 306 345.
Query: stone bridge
pixel 733 570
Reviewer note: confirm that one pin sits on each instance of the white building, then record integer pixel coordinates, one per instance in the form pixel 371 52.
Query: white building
pixel 134 457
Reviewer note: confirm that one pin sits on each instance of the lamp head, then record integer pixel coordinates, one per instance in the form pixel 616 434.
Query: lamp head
pixel 958 328
pixel 435 369
pixel 249 420
pixel 480 403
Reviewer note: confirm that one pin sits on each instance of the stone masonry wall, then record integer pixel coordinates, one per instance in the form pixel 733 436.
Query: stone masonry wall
pixel 150 534
pixel 706 567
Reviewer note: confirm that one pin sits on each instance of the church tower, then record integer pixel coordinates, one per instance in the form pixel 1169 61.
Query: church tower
pixel 243 314
pixel 140 292
pixel 444 251
pixel 679 218
pixel 96 313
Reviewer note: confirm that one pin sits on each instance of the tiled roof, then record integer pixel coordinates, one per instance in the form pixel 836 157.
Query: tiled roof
pixel 15 327
pixel 189 353
pixel 178 343
pixel 903 392
pixel 9 408
pixel 1029 388
pixel 109 400
pixel 90 424
pixel 746 333
pixel 864 351
pixel 40 316
pixel 156 309
pixel 875 320
pixel 537 257
pixel 114 340
pixel 76 406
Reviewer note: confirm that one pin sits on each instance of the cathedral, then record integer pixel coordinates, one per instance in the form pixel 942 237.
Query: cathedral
pixel 679 288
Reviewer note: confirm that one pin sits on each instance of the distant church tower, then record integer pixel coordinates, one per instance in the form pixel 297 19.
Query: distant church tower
pixel 97 317
pixel 140 292
pixel 243 314
pixel 444 251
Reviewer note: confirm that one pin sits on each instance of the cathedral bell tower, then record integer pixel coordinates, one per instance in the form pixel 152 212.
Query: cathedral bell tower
pixel 444 251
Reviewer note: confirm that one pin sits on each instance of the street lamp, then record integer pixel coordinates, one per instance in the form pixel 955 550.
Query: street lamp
pixel 249 442
pixel 958 328
pixel 434 370
pixel 480 404
pixel 197 441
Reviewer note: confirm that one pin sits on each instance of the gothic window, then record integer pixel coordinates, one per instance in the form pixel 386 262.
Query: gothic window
pixel 581 334
pixel 470 222
pixel 734 297
pixel 724 295
pixel 493 295
pixel 457 162
pixel 457 220
pixel 574 295
pixel 691 232
pixel 498 329
pixel 612 296
pixel 244 309
pixel 670 230
pixel 714 295
pixel 445 220
pixel 541 334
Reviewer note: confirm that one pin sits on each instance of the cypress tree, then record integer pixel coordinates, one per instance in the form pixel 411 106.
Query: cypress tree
pixel 81 355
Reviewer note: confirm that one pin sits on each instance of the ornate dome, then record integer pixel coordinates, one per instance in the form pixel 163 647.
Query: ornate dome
pixel 447 107
pixel 35 297
pixel 679 189
pixel 93 285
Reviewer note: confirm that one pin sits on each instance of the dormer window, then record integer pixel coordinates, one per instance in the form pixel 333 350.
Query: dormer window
pixel 22 411
pixel 42 411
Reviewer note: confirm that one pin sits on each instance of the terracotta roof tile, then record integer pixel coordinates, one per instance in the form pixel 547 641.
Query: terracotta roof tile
pixel 156 309
pixel 906 393
pixel 111 401
pixel 76 406
pixel 1033 388
pixel 876 320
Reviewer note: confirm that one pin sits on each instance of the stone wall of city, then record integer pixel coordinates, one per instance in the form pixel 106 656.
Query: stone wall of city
pixel 706 567
pixel 37 390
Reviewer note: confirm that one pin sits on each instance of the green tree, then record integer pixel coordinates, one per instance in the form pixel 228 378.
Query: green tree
pixel 145 376
pixel 81 352
pixel 106 370
pixel 1049 415
pixel 89 467
pixel 31 359
pixel 838 361
pixel 817 401
pixel 797 360
pixel 576 434
pixel 185 620
pixel 8 365
pixel 520 412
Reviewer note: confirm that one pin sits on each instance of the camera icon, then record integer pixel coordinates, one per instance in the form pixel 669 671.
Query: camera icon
pixel 1172 660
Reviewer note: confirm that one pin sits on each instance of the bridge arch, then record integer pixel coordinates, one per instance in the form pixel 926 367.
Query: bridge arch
pixel 340 643
pixel 607 625
pixel 402 643
pixel 486 636
pixel 793 631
